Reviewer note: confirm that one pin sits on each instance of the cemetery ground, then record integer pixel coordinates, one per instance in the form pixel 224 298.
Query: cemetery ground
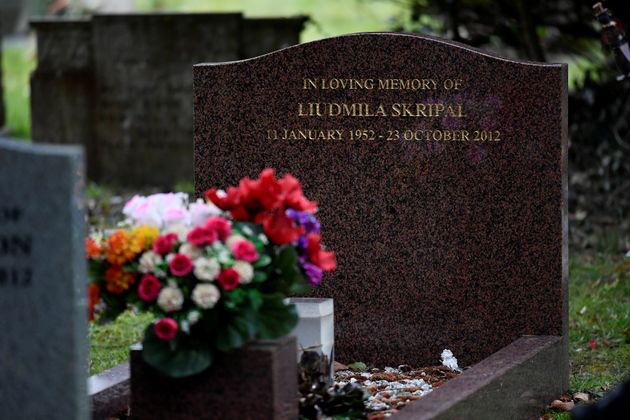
pixel 599 313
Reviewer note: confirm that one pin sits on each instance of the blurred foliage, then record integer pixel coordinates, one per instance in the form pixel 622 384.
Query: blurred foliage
pixel 599 194
pixel 599 106
pixel 18 60
pixel 327 17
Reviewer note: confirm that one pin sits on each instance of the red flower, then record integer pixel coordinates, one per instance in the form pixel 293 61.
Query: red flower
pixel 229 279
pixel 220 226
pixel 244 250
pixel 294 196
pixel 231 200
pixel 164 243
pixel 262 194
pixel 281 229
pixel 93 298
pixel 149 287
pixel 165 329
pixel 181 265
pixel 323 259
pixel 592 344
pixel 201 236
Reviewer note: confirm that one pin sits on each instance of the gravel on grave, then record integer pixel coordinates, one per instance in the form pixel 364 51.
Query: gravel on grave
pixel 391 389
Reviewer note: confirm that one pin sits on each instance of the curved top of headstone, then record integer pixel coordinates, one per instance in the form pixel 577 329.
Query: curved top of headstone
pixel 368 38
pixel 45 150
pixel 440 172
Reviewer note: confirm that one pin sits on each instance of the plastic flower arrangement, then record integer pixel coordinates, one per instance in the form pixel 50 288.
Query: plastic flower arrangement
pixel 215 274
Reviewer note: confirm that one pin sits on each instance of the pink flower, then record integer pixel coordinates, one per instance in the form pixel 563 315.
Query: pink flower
pixel 245 251
pixel 181 265
pixel 164 243
pixel 165 329
pixel 149 287
pixel 201 236
pixel 229 279
pixel 175 216
pixel 220 226
pixel 200 212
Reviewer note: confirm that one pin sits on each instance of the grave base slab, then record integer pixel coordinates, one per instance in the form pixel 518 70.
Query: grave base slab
pixel 516 382
pixel 256 382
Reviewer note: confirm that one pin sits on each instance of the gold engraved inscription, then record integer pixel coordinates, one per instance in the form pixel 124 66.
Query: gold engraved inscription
pixel 445 110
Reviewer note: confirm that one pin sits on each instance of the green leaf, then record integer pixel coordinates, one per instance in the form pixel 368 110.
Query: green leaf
pixel 286 276
pixel 259 277
pixel 263 261
pixel 177 358
pixel 275 319
pixel 234 299
pixel 255 298
pixel 360 366
pixel 237 331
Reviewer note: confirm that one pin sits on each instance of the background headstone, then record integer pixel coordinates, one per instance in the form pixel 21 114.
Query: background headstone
pixel 121 85
pixel 450 230
pixel 43 313
pixel 14 16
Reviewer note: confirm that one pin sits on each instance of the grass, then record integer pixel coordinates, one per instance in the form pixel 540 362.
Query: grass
pixel 109 344
pixel 599 323
pixel 18 61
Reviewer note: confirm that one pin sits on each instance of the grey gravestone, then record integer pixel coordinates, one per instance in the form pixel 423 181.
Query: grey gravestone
pixel 121 85
pixel 43 315
pixel 13 16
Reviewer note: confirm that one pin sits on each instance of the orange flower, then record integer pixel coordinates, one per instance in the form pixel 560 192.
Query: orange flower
pixel 92 248
pixel 93 298
pixel 121 248
pixel 118 281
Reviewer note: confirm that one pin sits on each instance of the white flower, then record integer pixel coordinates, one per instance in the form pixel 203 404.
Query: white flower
pixel 159 210
pixel 180 230
pixel 170 299
pixel 206 269
pixel 205 295
pixel 244 270
pixel 232 239
pixel 140 212
pixel 191 251
pixel 148 261
pixel 193 317
pixel 449 361
pixel 200 211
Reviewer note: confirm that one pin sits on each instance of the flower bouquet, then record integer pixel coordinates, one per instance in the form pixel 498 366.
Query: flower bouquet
pixel 215 274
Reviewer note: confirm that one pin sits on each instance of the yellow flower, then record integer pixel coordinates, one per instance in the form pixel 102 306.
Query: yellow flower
pixel 143 237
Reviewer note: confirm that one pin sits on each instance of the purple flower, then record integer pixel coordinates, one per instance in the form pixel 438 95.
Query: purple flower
pixel 304 219
pixel 302 243
pixel 313 273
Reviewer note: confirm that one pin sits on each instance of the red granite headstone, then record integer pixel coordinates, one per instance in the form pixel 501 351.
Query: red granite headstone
pixel 441 176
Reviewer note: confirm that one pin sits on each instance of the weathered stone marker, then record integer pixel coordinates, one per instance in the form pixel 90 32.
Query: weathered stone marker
pixel 43 316
pixel 121 84
pixel 441 173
